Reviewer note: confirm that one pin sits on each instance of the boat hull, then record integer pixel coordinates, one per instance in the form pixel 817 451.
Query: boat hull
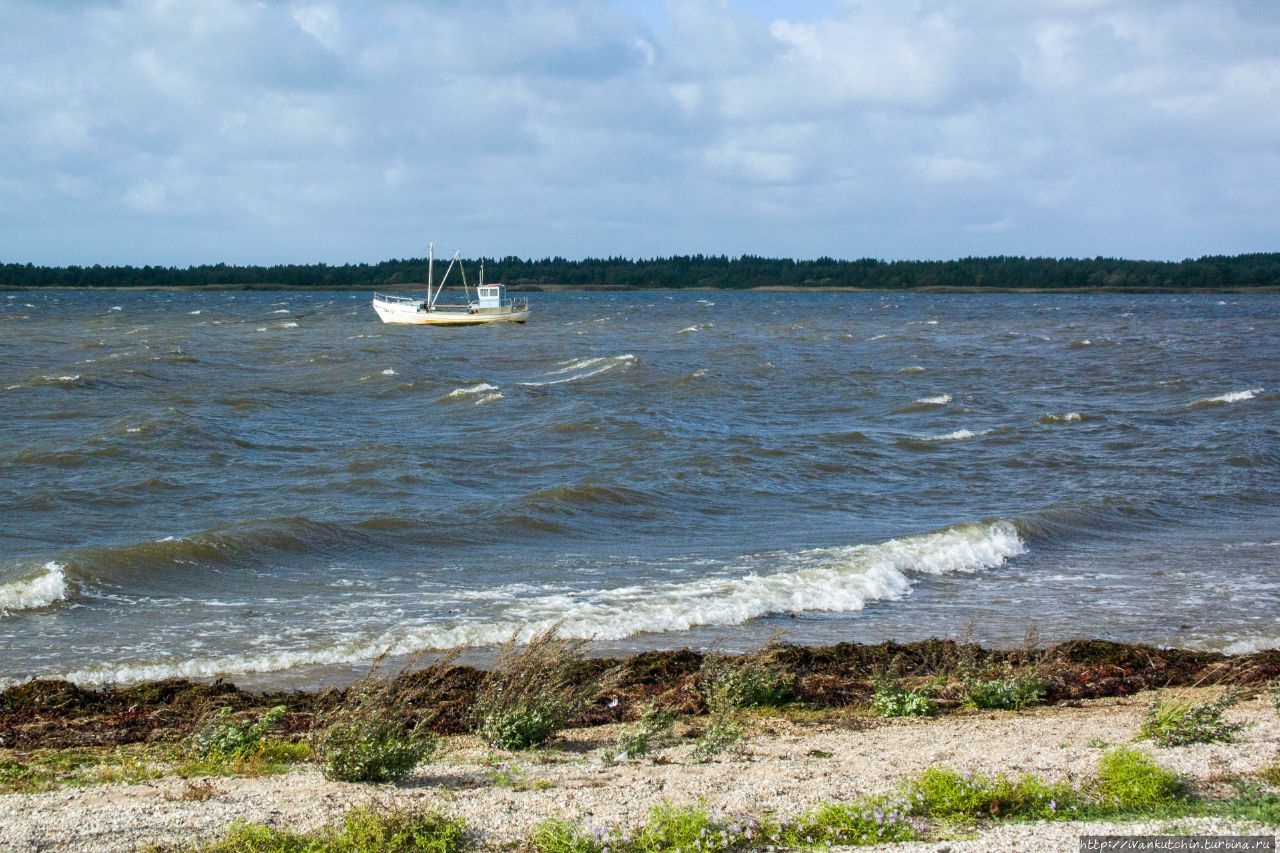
pixel 416 313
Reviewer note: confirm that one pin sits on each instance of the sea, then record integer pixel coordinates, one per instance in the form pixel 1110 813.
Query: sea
pixel 274 488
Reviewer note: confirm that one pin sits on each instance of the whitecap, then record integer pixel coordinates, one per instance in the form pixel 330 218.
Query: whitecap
pixel 481 389
pixel 46 588
pixel 940 400
pixel 583 368
pixel 389 372
pixel 1232 397
pixel 839 579
pixel 958 435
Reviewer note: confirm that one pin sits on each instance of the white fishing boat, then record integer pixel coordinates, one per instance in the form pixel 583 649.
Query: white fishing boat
pixel 491 305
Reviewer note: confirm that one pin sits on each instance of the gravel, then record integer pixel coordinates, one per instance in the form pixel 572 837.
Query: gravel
pixel 785 768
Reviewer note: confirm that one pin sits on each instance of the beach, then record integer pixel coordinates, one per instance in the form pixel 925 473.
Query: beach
pixel 785 767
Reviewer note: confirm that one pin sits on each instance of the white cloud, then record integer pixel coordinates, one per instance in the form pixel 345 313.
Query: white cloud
pixel 242 130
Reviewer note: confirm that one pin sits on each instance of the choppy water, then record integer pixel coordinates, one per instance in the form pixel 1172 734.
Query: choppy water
pixel 274 486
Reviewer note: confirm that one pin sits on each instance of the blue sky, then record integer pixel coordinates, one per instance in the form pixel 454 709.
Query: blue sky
pixel 179 132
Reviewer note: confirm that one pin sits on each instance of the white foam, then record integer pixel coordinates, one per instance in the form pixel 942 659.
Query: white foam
pixel 482 388
pixel 583 368
pixel 915 368
pixel 388 372
pixel 44 589
pixel 940 400
pixel 1232 397
pixel 841 579
pixel 958 435
pixel 1068 418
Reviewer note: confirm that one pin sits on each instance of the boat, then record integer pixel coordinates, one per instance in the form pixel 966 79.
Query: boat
pixel 491 305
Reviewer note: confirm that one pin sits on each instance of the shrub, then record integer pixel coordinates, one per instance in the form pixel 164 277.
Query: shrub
pixel 1012 693
pixel 532 691
pixel 891 700
pixel 636 741
pixel 1129 779
pixel 223 738
pixel 1180 722
pixel 722 734
pixel 371 734
pixel 747 682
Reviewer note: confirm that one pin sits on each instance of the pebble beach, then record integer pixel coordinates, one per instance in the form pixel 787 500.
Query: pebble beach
pixel 786 765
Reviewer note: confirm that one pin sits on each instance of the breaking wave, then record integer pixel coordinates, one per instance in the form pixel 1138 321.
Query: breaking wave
pixel 1232 397
pixel 45 589
pixel 582 368
pixel 839 579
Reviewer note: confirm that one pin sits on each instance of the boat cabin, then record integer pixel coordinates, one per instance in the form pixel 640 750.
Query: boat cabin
pixel 491 295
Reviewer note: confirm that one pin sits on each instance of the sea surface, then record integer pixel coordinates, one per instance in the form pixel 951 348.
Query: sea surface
pixel 275 488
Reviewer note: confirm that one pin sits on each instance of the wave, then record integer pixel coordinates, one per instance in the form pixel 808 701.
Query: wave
pixel 44 590
pixel 1225 399
pixel 839 579
pixel 940 400
pixel 1065 418
pixel 582 368
pixel 481 393
pixel 957 435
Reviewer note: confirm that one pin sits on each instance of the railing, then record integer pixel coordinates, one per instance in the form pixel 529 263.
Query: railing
pixel 401 300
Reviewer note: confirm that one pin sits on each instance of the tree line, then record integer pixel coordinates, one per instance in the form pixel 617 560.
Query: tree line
pixel 695 271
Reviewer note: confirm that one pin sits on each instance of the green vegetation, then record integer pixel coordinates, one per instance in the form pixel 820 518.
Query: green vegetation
pixel 893 700
pixel 1012 692
pixel 46 770
pixel 730 686
pixel 370 735
pixel 703 271
pixel 1180 722
pixel 532 691
pixel 875 820
pixel 951 796
pixel 1130 780
pixel 363 831
pixel 637 740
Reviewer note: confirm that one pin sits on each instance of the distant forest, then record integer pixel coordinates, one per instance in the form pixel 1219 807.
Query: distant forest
pixel 694 271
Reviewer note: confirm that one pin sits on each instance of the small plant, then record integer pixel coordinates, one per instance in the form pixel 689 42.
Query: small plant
pixel 722 734
pixel 1275 693
pixel 562 836
pixel 1013 692
pixel 362 831
pixel 747 682
pixel 948 795
pixel 654 723
pixel 1180 722
pixel 880 820
pixel 892 700
pixel 532 691
pixel 1271 773
pixel 371 734
pixel 222 738
pixel 1129 779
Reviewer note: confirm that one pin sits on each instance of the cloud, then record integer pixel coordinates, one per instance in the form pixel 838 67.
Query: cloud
pixel 170 131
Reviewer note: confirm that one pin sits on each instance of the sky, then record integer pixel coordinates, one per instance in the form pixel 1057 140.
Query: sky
pixel 180 132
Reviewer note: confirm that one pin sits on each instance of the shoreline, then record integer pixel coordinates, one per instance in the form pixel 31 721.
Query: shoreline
pixel 786 767
pixel 53 713
pixel 604 288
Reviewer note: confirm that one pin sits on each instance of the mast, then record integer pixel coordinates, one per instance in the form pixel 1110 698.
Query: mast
pixel 431 260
